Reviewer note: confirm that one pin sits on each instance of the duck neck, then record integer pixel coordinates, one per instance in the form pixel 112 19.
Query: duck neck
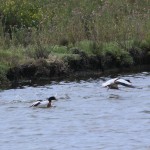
pixel 49 104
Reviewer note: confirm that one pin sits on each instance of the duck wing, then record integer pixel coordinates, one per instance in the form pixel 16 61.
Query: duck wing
pixel 35 104
pixel 124 83
pixel 109 82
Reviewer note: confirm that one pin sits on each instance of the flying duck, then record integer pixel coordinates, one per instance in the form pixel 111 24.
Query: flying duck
pixel 43 104
pixel 113 83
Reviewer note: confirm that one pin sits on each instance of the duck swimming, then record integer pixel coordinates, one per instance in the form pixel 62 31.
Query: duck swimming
pixel 113 83
pixel 43 103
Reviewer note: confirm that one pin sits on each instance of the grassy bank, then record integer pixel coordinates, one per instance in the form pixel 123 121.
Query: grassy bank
pixel 66 36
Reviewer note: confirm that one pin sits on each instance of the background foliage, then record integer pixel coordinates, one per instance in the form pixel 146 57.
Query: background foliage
pixel 30 29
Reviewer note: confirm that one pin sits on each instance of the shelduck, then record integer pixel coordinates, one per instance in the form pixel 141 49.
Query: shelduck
pixel 43 103
pixel 113 83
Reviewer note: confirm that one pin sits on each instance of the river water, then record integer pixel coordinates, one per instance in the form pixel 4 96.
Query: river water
pixel 85 116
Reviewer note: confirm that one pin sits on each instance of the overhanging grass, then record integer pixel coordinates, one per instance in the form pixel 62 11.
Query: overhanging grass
pixel 12 56
pixel 87 46
pixel 59 49
pixel 122 56
pixel 3 71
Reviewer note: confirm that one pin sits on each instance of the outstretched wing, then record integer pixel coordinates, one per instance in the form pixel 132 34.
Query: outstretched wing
pixel 124 83
pixel 109 82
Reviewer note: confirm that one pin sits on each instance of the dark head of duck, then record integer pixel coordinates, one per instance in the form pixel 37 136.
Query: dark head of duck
pixel 51 98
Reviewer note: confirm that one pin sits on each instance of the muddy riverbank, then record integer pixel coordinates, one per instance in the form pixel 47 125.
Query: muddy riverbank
pixel 73 67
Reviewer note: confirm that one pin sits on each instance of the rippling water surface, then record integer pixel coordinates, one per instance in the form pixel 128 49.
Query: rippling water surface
pixel 85 116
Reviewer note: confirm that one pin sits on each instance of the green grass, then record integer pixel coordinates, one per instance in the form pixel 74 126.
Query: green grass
pixel 87 46
pixel 55 28
pixel 59 49
pixel 76 21
pixel 121 55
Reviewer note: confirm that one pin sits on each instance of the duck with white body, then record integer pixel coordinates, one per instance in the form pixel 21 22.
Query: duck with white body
pixel 113 83
pixel 43 103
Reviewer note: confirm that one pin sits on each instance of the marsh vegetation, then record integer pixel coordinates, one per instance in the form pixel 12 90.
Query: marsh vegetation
pixel 64 36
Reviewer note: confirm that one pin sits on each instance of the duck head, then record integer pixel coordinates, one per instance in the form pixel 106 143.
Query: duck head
pixel 51 98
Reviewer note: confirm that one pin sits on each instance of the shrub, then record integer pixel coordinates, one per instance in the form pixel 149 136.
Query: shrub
pixel 20 14
pixel 89 47
pixel 117 55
